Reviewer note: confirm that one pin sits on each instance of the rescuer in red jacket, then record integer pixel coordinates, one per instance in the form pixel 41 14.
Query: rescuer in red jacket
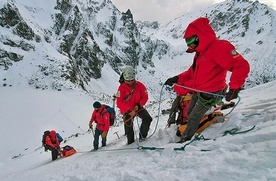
pixel 52 143
pixel 101 117
pixel 131 96
pixel 213 59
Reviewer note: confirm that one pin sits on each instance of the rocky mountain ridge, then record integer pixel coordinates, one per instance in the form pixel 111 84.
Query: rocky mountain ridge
pixel 71 44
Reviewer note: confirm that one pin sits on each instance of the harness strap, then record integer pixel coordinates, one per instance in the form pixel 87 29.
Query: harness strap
pixel 130 94
pixel 131 118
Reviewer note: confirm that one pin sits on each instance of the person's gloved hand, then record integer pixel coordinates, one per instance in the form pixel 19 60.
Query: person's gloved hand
pixel 137 107
pixel 132 113
pixel 104 134
pixel 171 81
pixel 129 114
pixel 232 94
pixel 90 125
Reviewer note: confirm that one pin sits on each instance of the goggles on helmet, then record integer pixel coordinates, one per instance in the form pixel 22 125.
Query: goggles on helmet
pixel 191 40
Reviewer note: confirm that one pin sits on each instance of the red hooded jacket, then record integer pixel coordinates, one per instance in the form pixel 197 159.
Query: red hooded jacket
pixel 181 90
pixel 129 96
pixel 52 140
pixel 101 117
pixel 213 59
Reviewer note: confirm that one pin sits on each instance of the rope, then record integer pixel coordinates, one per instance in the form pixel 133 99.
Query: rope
pixel 196 138
pixel 102 150
pixel 199 137
pixel 138 144
pixel 235 131
pixel 217 95
pixel 253 114
pixel 196 90
pixel 158 115
pixel 176 149
pixel 232 109
pixel 211 102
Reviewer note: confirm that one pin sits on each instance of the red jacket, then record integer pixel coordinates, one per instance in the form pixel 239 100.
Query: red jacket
pixel 101 117
pixel 212 60
pixel 181 90
pixel 129 96
pixel 52 140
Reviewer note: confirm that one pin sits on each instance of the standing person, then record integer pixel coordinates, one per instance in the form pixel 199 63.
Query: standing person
pixel 101 117
pixel 213 59
pixel 132 95
pixel 52 143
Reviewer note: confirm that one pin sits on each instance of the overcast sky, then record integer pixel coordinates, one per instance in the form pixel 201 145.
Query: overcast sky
pixel 166 10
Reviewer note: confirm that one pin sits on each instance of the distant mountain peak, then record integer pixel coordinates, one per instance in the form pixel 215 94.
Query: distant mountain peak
pixel 77 40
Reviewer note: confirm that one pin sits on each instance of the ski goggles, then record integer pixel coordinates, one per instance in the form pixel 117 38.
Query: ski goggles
pixel 191 40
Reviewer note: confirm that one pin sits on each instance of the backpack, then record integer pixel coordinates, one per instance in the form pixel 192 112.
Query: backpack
pixel 180 106
pixel 60 139
pixel 112 114
pixel 45 134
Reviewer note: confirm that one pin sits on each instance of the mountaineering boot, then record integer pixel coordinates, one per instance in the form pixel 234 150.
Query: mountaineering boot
pixel 183 139
pixel 227 105
pixel 142 139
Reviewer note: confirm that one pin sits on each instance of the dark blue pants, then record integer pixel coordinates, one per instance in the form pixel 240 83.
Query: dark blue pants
pixel 54 152
pixel 97 134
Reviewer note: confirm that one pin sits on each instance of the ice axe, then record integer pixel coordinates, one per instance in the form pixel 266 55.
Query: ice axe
pixel 92 130
pixel 116 132
pixel 114 99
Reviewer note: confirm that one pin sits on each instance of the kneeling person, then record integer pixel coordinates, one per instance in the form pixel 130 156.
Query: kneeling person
pixel 52 143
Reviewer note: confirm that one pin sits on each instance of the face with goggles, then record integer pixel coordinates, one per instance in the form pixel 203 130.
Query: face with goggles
pixel 192 42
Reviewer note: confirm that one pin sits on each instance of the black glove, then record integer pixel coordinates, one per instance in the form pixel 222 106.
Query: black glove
pixel 121 80
pixel 137 107
pixel 171 81
pixel 232 94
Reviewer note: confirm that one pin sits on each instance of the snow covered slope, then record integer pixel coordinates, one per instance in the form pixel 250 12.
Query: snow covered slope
pixel 26 113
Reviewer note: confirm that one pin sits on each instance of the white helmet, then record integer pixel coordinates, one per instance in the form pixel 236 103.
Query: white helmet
pixel 129 73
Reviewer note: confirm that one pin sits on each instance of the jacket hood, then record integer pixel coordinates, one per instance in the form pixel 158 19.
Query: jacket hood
pixel 53 133
pixel 203 30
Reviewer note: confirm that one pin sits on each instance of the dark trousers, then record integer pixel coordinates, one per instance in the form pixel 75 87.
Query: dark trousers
pixel 174 110
pixel 197 108
pixel 97 134
pixel 144 128
pixel 54 152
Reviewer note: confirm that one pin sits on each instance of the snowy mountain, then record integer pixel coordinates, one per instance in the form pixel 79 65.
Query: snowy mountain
pixel 73 45
pixel 83 44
